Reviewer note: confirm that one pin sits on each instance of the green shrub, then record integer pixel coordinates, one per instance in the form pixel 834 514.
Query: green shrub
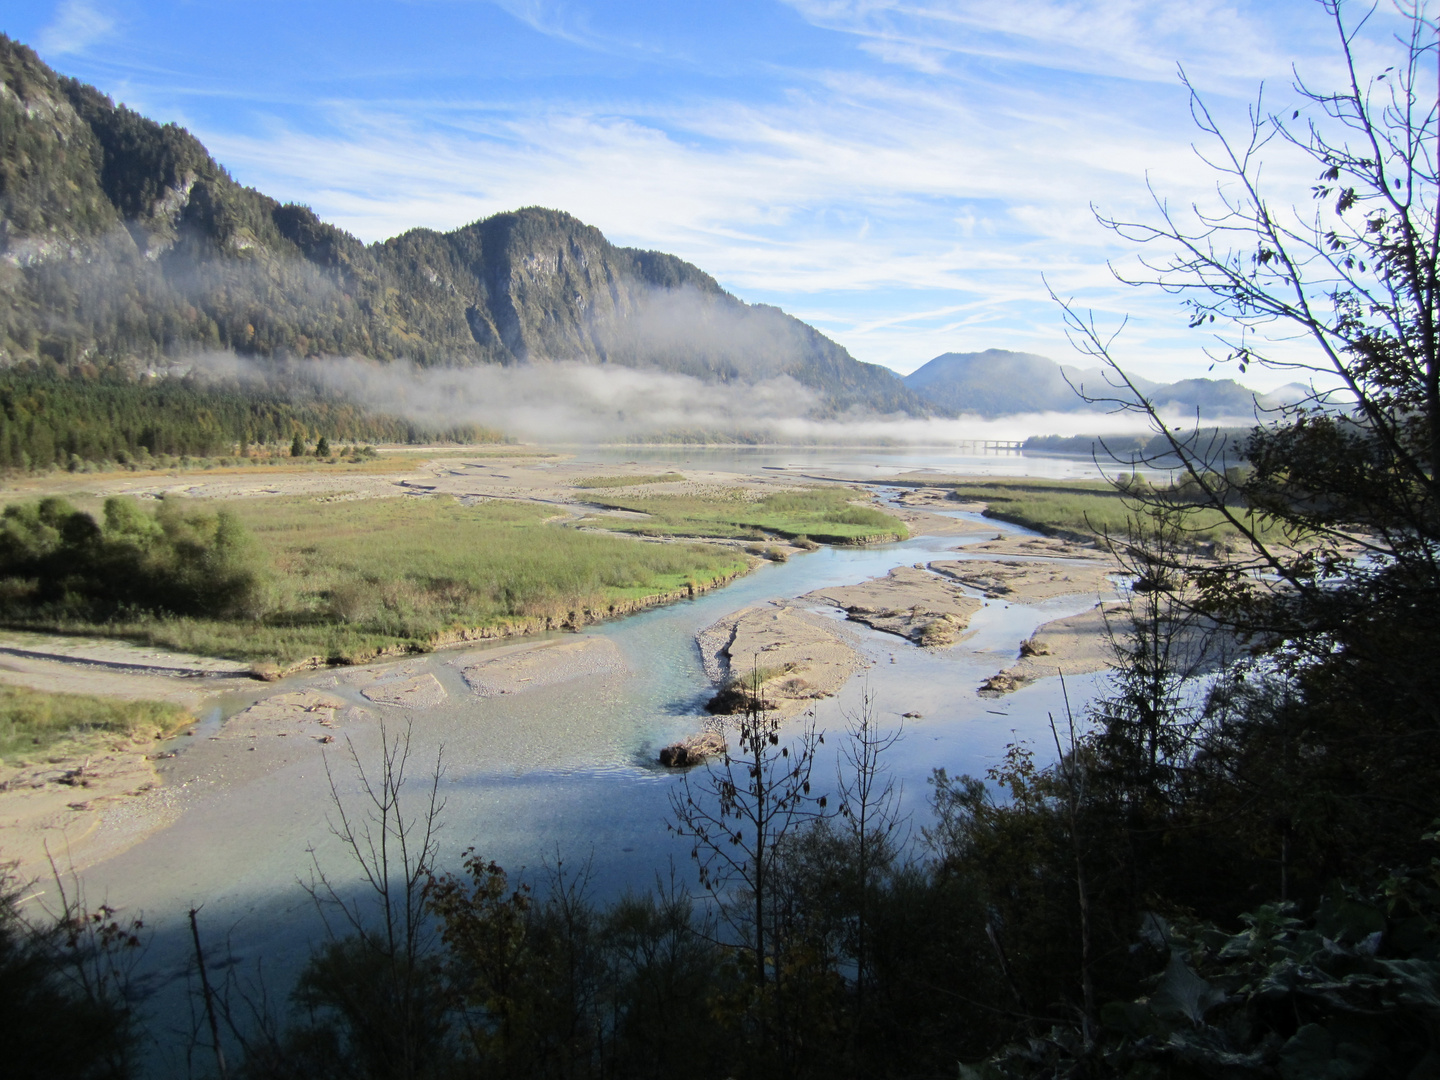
pixel 175 561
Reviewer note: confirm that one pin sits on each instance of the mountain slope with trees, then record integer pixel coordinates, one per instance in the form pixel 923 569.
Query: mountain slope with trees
pixel 123 242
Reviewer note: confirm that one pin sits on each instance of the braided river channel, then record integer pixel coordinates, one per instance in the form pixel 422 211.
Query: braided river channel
pixel 567 772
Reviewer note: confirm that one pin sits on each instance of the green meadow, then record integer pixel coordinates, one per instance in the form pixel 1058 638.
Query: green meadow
pixel 628 481
pixel 1078 508
pixel 36 724
pixel 348 579
pixel 824 514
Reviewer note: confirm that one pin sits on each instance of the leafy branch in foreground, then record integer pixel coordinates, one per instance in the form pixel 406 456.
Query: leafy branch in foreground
pixel 1336 587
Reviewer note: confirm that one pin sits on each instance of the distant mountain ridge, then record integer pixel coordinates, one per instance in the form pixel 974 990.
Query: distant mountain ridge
pixel 998 382
pixel 123 242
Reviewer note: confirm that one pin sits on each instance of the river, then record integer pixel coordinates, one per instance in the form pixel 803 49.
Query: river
pixel 565 772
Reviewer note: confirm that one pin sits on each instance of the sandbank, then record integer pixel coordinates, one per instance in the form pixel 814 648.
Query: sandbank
pixel 1027 581
pixel 1075 645
pixel 1047 547
pixel 77 811
pixel 799 655
pixel 80 807
pixel 548 664
pixel 117 669
pixel 909 601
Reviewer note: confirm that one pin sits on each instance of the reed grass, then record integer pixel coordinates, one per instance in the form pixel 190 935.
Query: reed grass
pixel 826 514
pixel 38 723
pixel 350 579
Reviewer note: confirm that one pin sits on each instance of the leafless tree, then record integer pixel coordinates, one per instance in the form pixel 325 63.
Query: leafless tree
pixel 738 816
pixel 1342 482
pixel 868 801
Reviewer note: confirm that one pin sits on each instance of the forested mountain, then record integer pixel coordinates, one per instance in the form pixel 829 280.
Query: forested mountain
pixel 122 242
pixel 998 382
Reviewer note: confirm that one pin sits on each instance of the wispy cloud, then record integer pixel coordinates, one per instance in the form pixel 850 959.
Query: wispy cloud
pixel 1131 39
pixel 906 174
pixel 553 18
pixel 77 25
pixel 570 22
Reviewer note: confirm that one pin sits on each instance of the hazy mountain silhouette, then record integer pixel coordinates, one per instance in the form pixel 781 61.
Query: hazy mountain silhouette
pixel 997 382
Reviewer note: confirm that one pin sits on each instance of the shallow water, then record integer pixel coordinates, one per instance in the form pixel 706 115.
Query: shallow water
pixel 857 463
pixel 565 771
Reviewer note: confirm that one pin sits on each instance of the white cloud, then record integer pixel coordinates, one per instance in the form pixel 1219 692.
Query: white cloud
pixel 77 25
pixel 571 23
pixel 929 61
pixel 1224 41
pixel 907 210
pixel 549 17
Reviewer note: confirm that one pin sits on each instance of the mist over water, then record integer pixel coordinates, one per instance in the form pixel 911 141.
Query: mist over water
pixel 587 403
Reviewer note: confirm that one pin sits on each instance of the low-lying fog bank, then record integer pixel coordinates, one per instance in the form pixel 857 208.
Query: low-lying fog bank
pixel 584 404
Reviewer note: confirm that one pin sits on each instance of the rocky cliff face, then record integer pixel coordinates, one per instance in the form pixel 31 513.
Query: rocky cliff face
pixel 123 242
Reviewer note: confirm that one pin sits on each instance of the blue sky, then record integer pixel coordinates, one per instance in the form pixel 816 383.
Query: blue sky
pixel 900 173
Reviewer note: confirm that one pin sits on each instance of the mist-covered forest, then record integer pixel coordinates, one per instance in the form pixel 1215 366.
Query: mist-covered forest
pixel 47 419
pixel 123 244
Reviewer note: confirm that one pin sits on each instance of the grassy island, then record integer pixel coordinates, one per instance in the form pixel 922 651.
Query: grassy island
pixel 830 515
pixel 36 723
pixel 1083 509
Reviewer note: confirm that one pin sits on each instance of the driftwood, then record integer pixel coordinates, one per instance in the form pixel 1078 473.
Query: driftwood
pixel 694 750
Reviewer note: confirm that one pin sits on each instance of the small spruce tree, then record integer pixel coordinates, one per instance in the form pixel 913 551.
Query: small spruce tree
pixel 297 447
pixel 322 448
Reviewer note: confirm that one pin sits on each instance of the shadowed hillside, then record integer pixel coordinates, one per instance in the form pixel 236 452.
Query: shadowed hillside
pixel 123 242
